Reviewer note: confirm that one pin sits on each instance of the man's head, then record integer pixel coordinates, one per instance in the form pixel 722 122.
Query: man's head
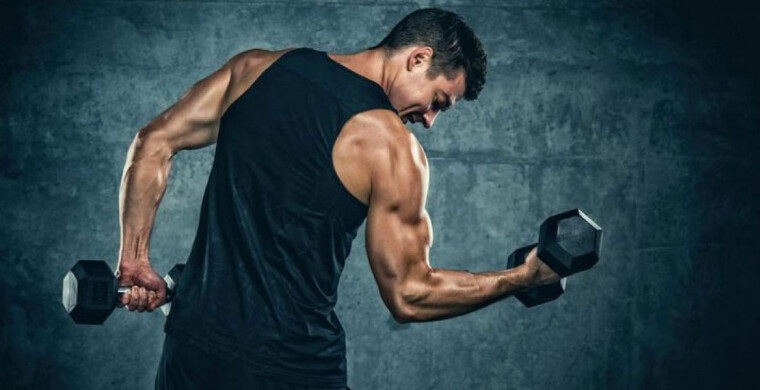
pixel 440 59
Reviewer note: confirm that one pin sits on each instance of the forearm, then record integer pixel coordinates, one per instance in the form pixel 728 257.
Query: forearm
pixel 449 293
pixel 143 185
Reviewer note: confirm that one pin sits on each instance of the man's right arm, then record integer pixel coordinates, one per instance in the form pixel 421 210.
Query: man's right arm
pixel 399 235
pixel 190 123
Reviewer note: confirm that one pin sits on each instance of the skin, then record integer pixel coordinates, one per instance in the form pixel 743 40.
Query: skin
pixel 377 159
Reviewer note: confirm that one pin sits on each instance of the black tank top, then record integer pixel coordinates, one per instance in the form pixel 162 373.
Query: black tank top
pixel 276 225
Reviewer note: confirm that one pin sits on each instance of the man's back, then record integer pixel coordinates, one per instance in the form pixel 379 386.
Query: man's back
pixel 277 222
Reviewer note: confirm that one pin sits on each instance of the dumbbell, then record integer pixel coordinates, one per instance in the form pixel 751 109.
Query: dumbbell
pixel 91 292
pixel 568 243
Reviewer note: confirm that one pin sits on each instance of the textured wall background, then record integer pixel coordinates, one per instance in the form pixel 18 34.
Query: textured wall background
pixel 642 113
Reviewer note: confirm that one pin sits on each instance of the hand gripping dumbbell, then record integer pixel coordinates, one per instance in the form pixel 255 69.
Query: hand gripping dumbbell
pixel 568 243
pixel 91 292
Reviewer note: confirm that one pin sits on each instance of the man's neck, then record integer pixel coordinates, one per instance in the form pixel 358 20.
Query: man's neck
pixel 371 64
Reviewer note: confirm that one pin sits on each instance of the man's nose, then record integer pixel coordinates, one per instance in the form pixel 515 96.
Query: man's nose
pixel 429 117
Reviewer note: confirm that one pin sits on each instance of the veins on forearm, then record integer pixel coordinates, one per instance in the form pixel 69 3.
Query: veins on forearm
pixel 143 185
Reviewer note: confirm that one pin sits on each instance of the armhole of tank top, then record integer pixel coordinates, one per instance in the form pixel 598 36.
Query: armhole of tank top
pixel 345 190
pixel 358 203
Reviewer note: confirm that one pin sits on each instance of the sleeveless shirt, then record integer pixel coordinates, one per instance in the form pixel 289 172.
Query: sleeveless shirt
pixel 276 225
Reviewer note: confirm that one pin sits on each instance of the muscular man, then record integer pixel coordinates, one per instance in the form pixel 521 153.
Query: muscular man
pixel 308 146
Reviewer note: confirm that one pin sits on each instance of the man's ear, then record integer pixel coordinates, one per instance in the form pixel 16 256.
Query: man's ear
pixel 420 57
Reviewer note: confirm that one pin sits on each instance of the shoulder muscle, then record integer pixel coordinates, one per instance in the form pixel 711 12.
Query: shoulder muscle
pixel 193 121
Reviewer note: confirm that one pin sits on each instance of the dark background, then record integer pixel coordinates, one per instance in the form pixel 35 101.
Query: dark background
pixel 644 114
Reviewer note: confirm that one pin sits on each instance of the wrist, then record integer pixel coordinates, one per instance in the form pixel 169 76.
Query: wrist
pixel 526 277
pixel 515 280
pixel 127 264
pixel 126 258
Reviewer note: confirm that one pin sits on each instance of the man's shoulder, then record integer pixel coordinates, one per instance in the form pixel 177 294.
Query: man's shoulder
pixel 383 137
pixel 383 124
pixel 394 160
pixel 255 60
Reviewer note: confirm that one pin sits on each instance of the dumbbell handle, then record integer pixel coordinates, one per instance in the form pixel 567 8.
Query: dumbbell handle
pixel 123 289
pixel 518 257
pixel 537 294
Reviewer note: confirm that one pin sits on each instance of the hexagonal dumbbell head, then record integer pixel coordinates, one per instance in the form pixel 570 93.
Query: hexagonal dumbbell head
pixel 569 242
pixel 172 278
pixel 540 294
pixel 89 292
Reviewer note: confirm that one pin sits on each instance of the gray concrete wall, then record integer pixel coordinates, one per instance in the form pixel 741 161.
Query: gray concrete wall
pixel 644 116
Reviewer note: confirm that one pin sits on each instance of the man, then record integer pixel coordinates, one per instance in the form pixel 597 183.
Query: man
pixel 309 144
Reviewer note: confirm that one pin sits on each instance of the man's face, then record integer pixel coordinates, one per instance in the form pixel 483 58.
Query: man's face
pixel 417 97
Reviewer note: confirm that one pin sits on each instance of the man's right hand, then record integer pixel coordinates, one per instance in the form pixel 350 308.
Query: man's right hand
pixel 148 288
pixel 536 272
